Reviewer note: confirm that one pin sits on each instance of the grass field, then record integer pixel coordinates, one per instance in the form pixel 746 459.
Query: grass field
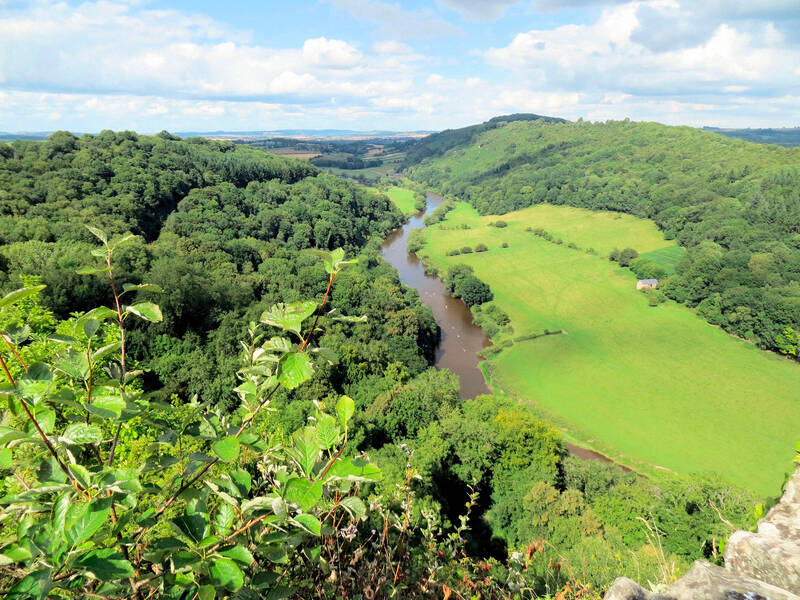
pixel 402 198
pixel 652 387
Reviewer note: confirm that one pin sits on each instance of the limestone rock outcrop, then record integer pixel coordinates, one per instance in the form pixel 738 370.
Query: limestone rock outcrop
pixel 760 565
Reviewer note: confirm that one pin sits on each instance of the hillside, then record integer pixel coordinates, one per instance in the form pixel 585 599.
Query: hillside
pixel 733 205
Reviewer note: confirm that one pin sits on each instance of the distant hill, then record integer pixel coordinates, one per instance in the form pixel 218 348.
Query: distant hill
pixel 785 136
pixel 312 134
pixel 439 143
pixel 5 136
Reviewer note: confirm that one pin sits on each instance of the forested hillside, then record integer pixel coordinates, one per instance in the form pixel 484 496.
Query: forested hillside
pixel 735 206
pixel 226 230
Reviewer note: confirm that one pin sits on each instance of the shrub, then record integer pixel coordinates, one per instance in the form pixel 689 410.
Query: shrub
pixel 466 250
pixel 499 224
pixel 626 256
pixel 453 252
pixel 505 245
pixel 481 247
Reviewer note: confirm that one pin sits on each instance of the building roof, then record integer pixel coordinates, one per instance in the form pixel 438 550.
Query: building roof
pixel 648 281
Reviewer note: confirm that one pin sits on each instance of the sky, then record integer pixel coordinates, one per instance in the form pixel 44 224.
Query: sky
pixel 254 65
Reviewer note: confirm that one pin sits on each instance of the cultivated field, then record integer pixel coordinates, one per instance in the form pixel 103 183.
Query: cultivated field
pixel 653 387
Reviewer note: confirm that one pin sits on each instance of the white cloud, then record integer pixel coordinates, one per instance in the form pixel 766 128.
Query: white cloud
pixel 605 56
pixel 322 52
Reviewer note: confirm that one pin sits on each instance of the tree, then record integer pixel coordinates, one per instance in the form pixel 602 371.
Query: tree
pixel 626 256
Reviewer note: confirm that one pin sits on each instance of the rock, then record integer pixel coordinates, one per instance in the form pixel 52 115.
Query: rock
pixel 772 553
pixel 628 589
pixel 761 565
pixel 704 581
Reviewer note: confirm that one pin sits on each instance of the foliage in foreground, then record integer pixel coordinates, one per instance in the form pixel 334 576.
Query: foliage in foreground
pixel 213 504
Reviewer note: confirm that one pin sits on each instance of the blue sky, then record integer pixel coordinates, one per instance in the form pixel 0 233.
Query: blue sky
pixel 381 64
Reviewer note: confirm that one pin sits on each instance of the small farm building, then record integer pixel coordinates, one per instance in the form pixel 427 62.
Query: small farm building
pixel 646 283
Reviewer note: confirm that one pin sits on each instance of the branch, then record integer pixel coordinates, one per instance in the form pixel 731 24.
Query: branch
pixel 42 434
pixel 14 350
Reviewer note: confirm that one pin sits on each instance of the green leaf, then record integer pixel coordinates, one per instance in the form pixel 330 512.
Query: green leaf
pixel 305 448
pixel 227 449
pixel 289 317
pixel 36 585
pixel 81 473
pixel 345 408
pixel 223 520
pixel 105 564
pixel 327 430
pixel 105 350
pixel 131 287
pixel 9 434
pixel 147 311
pixel 241 479
pixel 310 523
pixel 194 526
pixel 14 554
pixel 239 554
pixel 81 433
pixel 107 402
pixel 90 327
pixel 98 233
pixel 224 573
pixel 6 458
pixel 304 492
pixel 279 508
pixel 294 368
pixel 20 294
pixel 206 592
pixel 83 520
pixel 354 469
pixel 334 261
pixel 355 507
pixel 60 511
pixel 123 239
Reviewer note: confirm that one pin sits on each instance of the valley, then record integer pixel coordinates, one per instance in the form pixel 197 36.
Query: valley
pixel 654 387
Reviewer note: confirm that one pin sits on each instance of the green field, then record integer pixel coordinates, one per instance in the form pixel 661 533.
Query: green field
pixel 652 387
pixel 402 198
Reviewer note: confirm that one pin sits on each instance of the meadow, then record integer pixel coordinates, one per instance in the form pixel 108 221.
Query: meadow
pixel 655 388
pixel 402 198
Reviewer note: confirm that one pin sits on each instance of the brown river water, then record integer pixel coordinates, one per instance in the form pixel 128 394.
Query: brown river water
pixel 461 339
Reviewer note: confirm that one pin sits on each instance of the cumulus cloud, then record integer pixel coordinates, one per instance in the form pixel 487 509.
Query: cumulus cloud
pixel 608 55
pixel 322 52
pixel 106 47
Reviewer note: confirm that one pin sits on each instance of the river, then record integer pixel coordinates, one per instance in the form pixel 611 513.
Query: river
pixel 461 338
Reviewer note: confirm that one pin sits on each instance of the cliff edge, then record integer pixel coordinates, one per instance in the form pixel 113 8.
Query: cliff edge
pixel 760 565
